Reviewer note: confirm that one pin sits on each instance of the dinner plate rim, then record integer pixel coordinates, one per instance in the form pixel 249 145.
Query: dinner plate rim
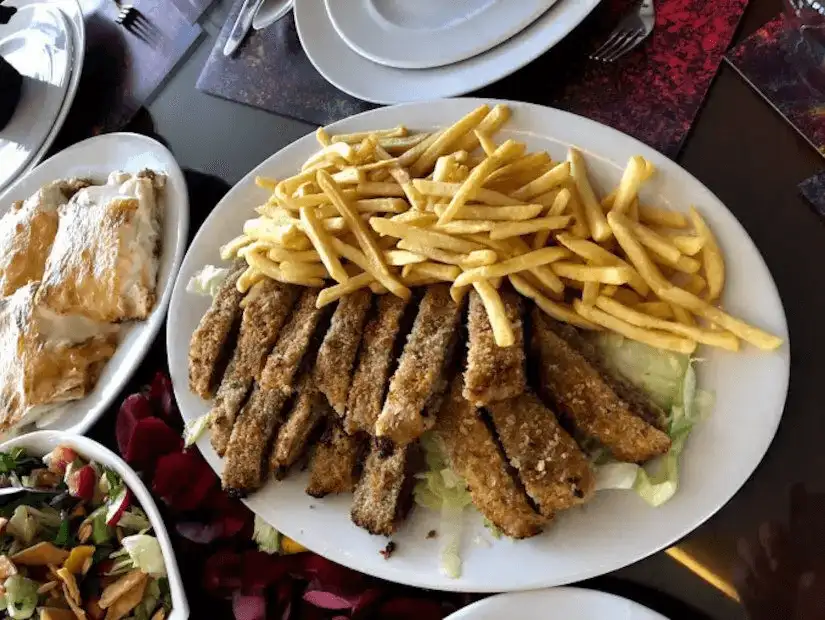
pixel 431 40
pixel 453 108
pixel 151 326
pixel 455 80
pixel 44 441
pixel 548 597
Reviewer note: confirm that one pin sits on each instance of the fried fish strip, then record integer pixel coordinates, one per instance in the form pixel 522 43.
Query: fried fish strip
pixel 334 464
pixel 420 367
pixel 382 494
pixel 306 413
pixel 211 336
pixel 474 455
pixel 597 402
pixel 336 357
pixel 372 372
pixel 266 309
pixel 493 372
pixel 243 465
pixel 555 472
pixel 283 363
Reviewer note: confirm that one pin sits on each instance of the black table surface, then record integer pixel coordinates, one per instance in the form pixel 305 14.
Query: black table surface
pixel 752 160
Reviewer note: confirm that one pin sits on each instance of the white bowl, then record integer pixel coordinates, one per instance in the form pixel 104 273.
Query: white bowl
pixel 41 443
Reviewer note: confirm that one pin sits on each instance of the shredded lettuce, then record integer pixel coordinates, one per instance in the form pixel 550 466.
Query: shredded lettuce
pixel 207 280
pixel 670 379
pixel 440 488
pixel 267 537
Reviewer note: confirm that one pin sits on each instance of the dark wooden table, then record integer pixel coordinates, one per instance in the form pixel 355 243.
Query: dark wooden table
pixel 753 160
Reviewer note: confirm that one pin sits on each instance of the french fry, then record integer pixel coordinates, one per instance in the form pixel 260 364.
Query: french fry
pixel 657 339
pixel 303 270
pixel 439 189
pixel 377 288
pixel 458 293
pixel 685 264
pixel 322 137
pixel 290 236
pixel 424 237
pixel 659 309
pixel 399 258
pixel 266 183
pixel 313 200
pixel 558 311
pixel 469 188
pixel 271 270
pixel 437 271
pixel 712 259
pixel 280 255
pixel 597 255
pixel 684 317
pixel 655 216
pixel 432 253
pixel 402 177
pixel 230 249
pixel 415 218
pixel 380 205
pixel 646 268
pixel 486 142
pixel 579 228
pixel 656 243
pixel 688 244
pixel 517 174
pixel 358 136
pixel 502 330
pixel 479 258
pixel 543 275
pixel 348 176
pixel 369 189
pixel 508 213
pixel 694 283
pixel 249 278
pixel 397 146
pixel 495 118
pixel 615 274
pixel 448 138
pixel 322 241
pixel 523 262
pixel 547 181
pixel 555 209
pixel 335 292
pixel 465 227
pixel 638 170
pixel 504 230
pixel 359 258
pixel 590 293
pixel 340 150
pixel 753 335
pixel 609 290
pixel 411 155
pixel 627 296
pixel 721 339
pixel 596 221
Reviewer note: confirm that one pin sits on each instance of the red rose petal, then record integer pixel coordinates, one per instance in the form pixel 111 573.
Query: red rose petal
pixel 248 607
pixel 151 438
pixel 183 480
pixel 133 409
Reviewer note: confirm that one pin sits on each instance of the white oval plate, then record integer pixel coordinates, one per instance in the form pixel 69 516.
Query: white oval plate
pixel 616 528
pixel 38 43
pixel 77 29
pixel 362 78
pixel 429 33
pixel 567 603
pixel 41 443
pixel 96 158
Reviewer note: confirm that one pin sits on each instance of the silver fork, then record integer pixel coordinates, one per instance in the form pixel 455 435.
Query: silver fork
pixel 634 28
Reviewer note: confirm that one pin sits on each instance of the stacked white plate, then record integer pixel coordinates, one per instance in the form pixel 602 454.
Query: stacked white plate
pixel 44 41
pixel 394 51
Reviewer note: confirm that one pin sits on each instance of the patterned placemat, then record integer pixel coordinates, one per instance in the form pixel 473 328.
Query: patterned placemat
pixel 192 9
pixel 653 93
pixel 787 70
pixel 813 190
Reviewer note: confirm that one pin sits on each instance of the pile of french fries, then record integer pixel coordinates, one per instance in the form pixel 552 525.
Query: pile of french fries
pixel 391 210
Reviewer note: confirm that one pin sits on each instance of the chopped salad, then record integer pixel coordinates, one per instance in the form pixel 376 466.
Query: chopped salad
pixel 73 545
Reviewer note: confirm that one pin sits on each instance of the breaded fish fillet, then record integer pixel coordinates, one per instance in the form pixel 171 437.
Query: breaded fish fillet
pixel 555 472
pixel 493 372
pixel 267 306
pixel 419 374
pixel 382 494
pixel 243 466
pixel 599 404
pixel 336 357
pixel 335 461
pixel 207 347
pixel 283 363
pixel 474 455
pixel 306 413
pixel 372 372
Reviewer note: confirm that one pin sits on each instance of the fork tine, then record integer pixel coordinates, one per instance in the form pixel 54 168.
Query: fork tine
pixel 614 42
pixel 627 46
pixel 607 44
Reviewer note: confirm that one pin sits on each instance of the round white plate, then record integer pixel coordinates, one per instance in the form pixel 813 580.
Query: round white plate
pixel 367 80
pixel 95 158
pixel 38 43
pixel 74 16
pixel 43 442
pixel 567 603
pixel 429 33
pixel 616 528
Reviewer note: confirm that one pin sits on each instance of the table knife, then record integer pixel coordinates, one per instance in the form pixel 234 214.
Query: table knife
pixel 242 26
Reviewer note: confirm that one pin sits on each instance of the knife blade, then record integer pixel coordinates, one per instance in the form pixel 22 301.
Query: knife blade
pixel 242 26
